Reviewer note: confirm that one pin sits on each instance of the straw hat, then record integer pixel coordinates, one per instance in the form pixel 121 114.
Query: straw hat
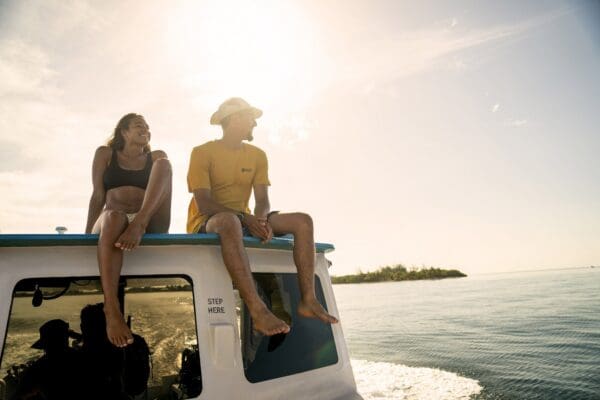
pixel 232 106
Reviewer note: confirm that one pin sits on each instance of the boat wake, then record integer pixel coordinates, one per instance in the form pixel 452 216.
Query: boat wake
pixel 382 380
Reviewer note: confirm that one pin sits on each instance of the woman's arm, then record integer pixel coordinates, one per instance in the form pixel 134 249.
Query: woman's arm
pixel 98 193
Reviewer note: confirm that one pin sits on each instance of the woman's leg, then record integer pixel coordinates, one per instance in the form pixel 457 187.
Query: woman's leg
pixel 110 261
pixel 161 220
pixel 157 203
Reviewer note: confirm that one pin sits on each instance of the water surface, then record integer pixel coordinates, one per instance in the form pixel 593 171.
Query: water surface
pixel 532 335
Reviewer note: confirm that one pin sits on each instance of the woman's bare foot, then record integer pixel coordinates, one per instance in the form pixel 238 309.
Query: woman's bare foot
pixel 313 309
pixel 268 324
pixel 131 237
pixel 116 329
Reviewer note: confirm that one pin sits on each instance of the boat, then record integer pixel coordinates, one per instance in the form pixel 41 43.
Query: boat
pixel 177 296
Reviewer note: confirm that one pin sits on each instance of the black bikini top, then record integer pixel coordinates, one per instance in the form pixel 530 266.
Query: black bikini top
pixel 115 176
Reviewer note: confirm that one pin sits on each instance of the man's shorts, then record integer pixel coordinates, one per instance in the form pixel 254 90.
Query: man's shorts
pixel 245 231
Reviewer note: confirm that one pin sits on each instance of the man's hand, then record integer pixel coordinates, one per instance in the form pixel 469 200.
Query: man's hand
pixel 264 222
pixel 258 227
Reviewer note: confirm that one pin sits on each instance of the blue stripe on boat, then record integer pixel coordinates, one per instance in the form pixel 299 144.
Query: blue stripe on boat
pixel 150 239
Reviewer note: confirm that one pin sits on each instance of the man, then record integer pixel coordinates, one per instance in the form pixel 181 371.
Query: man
pixel 222 175
pixel 57 374
pixel 111 372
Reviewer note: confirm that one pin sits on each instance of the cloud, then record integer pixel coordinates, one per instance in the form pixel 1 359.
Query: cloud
pixel 517 123
pixel 65 84
pixel 457 64
pixel 454 22
pixel 394 56
pixel 495 108
pixel 70 69
pixel 23 67
pixel 12 157
pixel 38 201
pixel 290 130
pixel 29 108
pixel 44 142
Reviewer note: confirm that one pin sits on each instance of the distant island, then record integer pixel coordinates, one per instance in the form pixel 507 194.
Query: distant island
pixel 398 273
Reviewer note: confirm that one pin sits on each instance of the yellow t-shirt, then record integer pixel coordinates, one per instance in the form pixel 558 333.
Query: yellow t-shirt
pixel 230 175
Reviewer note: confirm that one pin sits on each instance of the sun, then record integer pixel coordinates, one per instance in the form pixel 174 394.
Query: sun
pixel 265 51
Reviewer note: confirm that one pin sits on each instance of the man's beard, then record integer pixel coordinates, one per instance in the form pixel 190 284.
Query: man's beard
pixel 250 137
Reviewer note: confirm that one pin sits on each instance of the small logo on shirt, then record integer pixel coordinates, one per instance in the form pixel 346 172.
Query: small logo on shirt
pixel 246 169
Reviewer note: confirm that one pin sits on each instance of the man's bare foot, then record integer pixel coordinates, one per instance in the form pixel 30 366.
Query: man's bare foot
pixel 268 324
pixel 313 309
pixel 116 329
pixel 131 238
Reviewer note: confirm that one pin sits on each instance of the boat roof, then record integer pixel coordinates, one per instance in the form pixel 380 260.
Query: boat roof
pixel 149 239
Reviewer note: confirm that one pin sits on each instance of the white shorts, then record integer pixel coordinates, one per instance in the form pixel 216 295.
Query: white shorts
pixel 96 228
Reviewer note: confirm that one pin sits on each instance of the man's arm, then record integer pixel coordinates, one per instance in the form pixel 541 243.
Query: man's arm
pixel 262 209
pixel 261 198
pixel 207 205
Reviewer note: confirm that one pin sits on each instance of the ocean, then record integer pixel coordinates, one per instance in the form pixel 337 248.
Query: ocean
pixel 528 335
pixel 533 335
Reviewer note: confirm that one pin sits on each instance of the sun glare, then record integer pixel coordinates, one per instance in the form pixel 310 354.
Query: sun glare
pixel 265 51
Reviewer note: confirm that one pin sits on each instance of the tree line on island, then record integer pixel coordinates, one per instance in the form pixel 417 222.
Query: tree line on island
pixel 398 273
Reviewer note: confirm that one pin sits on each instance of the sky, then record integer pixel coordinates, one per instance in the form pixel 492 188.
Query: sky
pixel 456 134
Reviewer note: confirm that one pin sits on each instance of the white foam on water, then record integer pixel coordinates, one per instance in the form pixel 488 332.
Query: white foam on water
pixel 382 380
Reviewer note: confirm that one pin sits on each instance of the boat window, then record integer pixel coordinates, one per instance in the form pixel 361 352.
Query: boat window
pixel 309 344
pixel 56 345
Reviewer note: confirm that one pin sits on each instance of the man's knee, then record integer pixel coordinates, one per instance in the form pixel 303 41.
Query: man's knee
pixel 304 222
pixel 225 223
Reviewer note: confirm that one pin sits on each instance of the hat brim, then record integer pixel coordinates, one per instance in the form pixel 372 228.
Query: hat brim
pixel 41 344
pixel 218 116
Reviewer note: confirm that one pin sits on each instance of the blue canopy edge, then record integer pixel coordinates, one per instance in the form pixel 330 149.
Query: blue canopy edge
pixel 149 239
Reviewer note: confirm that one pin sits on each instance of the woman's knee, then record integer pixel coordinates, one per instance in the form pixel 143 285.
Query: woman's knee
pixel 163 165
pixel 113 218
pixel 112 225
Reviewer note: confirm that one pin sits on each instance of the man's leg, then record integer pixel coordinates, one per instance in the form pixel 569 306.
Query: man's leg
pixel 229 229
pixel 301 226
pixel 110 261
pixel 158 193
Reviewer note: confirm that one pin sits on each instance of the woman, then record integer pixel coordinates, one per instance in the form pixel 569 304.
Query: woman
pixel 131 196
